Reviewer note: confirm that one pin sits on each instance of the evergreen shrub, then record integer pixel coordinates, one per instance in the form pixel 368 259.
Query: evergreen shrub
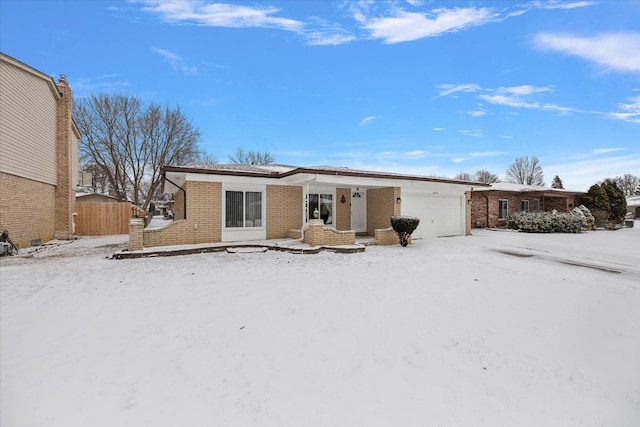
pixel 577 221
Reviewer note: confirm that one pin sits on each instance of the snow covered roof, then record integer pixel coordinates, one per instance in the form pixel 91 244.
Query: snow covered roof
pixel 281 171
pixel 633 201
pixel 521 188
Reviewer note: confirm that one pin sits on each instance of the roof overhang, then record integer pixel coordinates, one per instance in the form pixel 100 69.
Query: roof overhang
pixel 175 176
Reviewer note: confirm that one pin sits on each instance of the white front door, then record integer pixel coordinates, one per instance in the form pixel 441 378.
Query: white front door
pixel 358 211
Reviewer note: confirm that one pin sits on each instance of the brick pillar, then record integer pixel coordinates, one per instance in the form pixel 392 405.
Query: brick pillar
pixel 313 236
pixel 136 234
pixel 65 187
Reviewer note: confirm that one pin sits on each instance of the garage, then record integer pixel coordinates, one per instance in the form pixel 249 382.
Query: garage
pixel 440 214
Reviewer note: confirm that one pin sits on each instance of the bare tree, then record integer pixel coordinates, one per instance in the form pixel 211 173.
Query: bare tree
pixel 130 142
pixel 464 176
pixel 205 158
pixel 486 177
pixel 525 170
pixel 628 183
pixel 243 157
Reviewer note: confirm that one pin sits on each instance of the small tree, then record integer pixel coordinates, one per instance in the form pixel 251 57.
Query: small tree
pixel 598 203
pixel 243 157
pixel 617 201
pixel 557 183
pixel 526 170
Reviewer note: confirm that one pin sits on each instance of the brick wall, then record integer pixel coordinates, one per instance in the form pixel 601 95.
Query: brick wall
pixel 203 223
pixel 484 206
pixel 178 205
pixel 317 234
pixel 65 195
pixel 284 210
pixel 343 210
pixel 27 209
pixel 381 205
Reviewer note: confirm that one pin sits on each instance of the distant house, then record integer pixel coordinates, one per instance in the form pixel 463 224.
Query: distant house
pixel 225 203
pixel 38 154
pixel 633 206
pixel 490 206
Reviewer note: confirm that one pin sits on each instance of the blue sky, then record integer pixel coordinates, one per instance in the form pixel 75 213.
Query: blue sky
pixel 422 87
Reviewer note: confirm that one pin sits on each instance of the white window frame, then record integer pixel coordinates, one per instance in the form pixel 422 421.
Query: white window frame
pixel 244 188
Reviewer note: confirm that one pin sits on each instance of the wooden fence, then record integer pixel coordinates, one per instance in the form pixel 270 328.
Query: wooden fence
pixel 103 219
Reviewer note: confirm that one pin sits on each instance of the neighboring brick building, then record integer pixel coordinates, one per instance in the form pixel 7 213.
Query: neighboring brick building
pixel 491 206
pixel 38 154
pixel 225 203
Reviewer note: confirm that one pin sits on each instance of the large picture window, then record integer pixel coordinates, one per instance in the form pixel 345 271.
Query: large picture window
pixel 324 204
pixel 503 208
pixel 243 209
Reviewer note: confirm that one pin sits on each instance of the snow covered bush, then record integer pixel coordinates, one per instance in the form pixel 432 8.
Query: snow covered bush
pixel 550 222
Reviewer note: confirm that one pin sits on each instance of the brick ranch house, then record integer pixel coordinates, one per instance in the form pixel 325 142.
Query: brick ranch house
pixel 227 203
pixel 491 205
pixel 38 155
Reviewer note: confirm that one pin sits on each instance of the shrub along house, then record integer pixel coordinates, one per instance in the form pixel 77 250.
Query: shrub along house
pixel 491 205
pixel 226 203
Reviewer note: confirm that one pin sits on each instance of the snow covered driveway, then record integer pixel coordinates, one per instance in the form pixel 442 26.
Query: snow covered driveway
pixel 494 329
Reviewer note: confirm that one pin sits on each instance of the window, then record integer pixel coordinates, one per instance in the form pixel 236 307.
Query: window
pixel 524 206
pixel 536 205
pixel 324 204
pixel 243 209
pixel 503 208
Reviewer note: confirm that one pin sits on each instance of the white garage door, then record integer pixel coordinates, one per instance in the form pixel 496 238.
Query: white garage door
pixel 440 215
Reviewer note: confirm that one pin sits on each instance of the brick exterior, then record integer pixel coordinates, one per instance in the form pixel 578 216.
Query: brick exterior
pixel 381 205
pixel 65 194
pixel 343 210
pixel 203 223
pixel 284 210
pixel 317 234
pixel 484 205
pixel 27 209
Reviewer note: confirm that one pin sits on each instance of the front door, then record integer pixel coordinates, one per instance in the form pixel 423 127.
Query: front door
pixel 358 211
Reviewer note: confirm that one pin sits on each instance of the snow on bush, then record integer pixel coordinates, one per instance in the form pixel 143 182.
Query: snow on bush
pixel 577 221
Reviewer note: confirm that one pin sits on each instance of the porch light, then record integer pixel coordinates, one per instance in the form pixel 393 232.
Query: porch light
pixel 343 199
pixel 398 200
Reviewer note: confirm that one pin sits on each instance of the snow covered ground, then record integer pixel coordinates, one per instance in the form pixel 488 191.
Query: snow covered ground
pixel 494 329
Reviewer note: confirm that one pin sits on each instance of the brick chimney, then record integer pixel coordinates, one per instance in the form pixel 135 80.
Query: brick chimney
pixel 65 188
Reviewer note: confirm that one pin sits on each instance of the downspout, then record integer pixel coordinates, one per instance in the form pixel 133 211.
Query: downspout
pixel 181 189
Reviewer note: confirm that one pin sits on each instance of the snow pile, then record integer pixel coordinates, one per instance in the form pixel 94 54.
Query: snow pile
pixel 494 329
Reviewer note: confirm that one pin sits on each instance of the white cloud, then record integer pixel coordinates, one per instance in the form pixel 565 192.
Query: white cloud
pixel 580 175
pixel 416 154
pixel 448 89
pixel 629 112
pixel 474 133
pixel 176 62
pixel 407 26
pixel 613 51
pixel 488 153
pixel 460 159
pixel 605 150
pixel 317 38
pixel 367 120
pixel 555 4
pixel 438 129
pixel 221 15
pixel 477 113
